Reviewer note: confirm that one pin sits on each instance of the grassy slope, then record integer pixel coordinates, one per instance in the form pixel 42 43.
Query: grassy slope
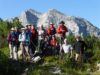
pixel 11 67
pixel 46 67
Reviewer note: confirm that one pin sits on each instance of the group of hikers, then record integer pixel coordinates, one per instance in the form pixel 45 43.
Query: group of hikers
pixel 30 39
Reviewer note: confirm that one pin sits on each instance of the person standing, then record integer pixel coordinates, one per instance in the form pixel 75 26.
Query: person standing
pixel 41 36
pixel 33 40
pixel 13 41
pixel 17 32
pixel 61 30
pixel 51 31
pixel 80 46
pixel 24 39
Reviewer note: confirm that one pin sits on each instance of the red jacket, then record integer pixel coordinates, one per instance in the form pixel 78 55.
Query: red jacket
pixel 53 42
pixel 62 30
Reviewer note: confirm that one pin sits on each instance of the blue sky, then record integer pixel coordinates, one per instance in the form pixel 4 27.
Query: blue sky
pixel 88 9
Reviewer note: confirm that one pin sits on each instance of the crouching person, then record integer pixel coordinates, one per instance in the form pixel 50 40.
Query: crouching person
pixel 55 45
pixel 46 47
pixel 13 41
pixel 66 49
pixel 24 39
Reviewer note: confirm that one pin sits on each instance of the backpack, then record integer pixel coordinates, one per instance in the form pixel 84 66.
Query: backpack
pixel 53 31
pixel 13 38
pixel 27 37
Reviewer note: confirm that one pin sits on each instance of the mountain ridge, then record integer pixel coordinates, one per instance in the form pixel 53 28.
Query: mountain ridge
pixel 76 25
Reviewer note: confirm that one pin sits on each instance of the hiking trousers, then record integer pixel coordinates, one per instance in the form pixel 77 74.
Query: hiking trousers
pixel 25 51
pixel 79 57
pixel 13 52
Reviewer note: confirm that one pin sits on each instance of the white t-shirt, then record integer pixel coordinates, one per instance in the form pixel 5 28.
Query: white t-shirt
pixel 66 48
pixel 40 32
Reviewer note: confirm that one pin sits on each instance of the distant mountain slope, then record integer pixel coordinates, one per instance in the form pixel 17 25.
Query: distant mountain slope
pixel 29 17
pixel 76 25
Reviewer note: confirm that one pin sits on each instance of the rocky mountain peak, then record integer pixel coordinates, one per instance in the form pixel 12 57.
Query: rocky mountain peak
pixel 75 25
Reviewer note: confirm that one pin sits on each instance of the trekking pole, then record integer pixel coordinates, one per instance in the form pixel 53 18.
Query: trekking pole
pixel 32 47
pixel 33 44
pixel 60 53
pixel 38 46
